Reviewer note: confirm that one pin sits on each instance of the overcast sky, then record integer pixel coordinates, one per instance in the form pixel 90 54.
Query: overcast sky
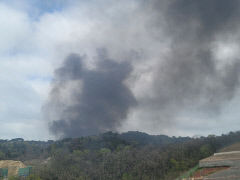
pixel 176 64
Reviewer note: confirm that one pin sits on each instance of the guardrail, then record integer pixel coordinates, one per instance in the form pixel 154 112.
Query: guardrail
pixel 223 153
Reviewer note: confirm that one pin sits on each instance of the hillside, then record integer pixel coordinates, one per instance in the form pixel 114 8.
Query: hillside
pixel 141 138
pixel 222 165
pixel 232 147
pixel 127 156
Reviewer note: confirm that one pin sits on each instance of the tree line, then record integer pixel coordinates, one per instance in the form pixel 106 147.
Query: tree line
pixel 127 156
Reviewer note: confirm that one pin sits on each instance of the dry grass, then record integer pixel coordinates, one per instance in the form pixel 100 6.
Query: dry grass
pixel 13 166
pixel 36 162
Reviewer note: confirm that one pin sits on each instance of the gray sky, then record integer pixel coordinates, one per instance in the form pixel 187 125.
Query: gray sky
pixel 174 67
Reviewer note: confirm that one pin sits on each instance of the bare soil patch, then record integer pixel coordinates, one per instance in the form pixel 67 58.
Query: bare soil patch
pixel 207 171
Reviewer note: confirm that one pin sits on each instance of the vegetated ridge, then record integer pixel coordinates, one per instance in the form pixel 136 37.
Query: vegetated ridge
pixel 131 155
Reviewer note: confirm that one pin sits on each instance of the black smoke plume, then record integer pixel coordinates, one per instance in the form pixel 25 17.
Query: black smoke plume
pixel 189 77
pixel 87 102
pixel 187 80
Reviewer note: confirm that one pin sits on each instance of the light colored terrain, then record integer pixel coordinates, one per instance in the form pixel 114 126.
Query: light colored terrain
pixel 227 157
pixel 13 166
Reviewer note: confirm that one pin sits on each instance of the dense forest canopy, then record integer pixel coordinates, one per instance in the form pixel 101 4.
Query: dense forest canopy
pixel 131 155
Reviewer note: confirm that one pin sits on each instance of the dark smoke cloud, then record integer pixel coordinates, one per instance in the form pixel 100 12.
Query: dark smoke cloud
pixel 99 101
pixel 187 80
pixel 190 76
pixel 203 17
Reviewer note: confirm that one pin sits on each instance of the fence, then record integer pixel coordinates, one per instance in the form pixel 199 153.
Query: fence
pixel 24 171
pixel 3 172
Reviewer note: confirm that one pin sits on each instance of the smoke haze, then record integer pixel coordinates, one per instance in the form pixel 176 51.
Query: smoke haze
pixel 166 65
pixel 190 74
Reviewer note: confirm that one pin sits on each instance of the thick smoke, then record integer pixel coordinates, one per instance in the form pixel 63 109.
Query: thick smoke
pixel 190 76
pixel 186 79
pixel 89 101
